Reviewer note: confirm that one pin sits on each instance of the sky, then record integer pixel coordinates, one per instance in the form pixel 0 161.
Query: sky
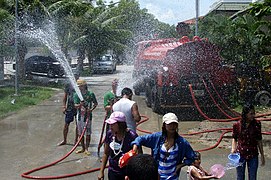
pixel 174 11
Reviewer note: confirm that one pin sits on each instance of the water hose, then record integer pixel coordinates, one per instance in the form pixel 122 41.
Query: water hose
pixel 101 141
pixel 26 174
pixel 221 110
pixel 222 120
pixel 203 114
pixel 223 102
pixel 225 130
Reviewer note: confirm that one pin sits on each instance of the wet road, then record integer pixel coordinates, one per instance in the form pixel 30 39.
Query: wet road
pixel 28 139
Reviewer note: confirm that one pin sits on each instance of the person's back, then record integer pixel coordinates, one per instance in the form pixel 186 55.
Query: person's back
pixel 125 105
pixel 128 107
pixel 142 167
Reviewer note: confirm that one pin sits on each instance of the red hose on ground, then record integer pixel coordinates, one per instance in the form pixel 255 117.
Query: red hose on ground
pixel 226 130
pixel 142 121
pixel 207 131
pixel 217 143
pixel 26 174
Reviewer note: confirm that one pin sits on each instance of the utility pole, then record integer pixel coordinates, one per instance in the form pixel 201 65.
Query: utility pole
pixel 16 49
pixel 197 17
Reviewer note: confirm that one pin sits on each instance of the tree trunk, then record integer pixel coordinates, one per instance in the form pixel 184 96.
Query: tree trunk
pixel 80 60
pixel 90 63
pixel 1 68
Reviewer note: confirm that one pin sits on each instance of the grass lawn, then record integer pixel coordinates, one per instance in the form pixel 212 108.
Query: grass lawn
pixel 30 95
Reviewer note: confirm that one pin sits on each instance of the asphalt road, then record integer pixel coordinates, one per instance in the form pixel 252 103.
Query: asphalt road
pixel 28 139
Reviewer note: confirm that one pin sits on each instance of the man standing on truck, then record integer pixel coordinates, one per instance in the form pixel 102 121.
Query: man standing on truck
pixel 128 107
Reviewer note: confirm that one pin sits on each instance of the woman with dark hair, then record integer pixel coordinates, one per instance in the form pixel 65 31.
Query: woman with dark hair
pixel 247 140
pixel 117 142
pixel 169 149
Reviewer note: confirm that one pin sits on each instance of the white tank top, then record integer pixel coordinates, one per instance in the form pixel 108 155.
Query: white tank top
pixel 125 105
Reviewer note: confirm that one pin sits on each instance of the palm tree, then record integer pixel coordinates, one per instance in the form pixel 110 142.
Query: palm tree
pixel 91 29
pixel 69 16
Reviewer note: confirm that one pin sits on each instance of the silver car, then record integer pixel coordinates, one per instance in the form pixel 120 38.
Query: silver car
pixel 105 63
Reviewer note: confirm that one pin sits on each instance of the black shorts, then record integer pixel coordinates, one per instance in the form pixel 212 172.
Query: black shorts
pixel 69 116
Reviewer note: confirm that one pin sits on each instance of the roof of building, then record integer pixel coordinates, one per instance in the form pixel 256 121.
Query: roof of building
pixel 192 21
pixel 230 5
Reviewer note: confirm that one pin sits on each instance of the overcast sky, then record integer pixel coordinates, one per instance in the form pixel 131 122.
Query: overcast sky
pixel 174 11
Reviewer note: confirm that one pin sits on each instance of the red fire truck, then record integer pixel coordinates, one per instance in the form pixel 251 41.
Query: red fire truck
pixel 165 69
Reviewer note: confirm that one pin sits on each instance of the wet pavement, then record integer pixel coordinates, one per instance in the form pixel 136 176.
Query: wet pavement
pixel 29 138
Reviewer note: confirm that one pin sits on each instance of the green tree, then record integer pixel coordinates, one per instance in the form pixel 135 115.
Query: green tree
pixel 6 32
pixel 90 29
pixel 70 25
pixel 32 12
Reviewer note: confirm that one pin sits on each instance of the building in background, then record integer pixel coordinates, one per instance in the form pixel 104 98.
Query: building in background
pixel 225 7
pixel 229 7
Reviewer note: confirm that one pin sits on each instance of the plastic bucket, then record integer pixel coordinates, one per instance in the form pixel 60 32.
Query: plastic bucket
pixel 234 158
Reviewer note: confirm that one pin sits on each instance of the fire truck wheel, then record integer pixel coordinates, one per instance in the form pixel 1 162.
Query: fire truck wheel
pixel 263 98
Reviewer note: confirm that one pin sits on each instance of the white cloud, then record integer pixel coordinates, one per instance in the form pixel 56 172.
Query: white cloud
pixel 161 13
pixel 174 11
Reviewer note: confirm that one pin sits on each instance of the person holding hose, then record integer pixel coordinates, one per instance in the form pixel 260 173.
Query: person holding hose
pixel 170 150
pixel 84 113
pixel 247 140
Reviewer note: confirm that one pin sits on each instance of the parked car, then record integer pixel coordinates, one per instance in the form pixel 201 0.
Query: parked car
pixel 105 63
pixel 43 65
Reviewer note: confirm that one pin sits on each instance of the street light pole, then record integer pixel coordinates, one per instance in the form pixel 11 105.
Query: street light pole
pixel 197 17
pixel 16 49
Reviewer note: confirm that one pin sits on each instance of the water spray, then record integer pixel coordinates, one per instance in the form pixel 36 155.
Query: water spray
pixel 47 36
